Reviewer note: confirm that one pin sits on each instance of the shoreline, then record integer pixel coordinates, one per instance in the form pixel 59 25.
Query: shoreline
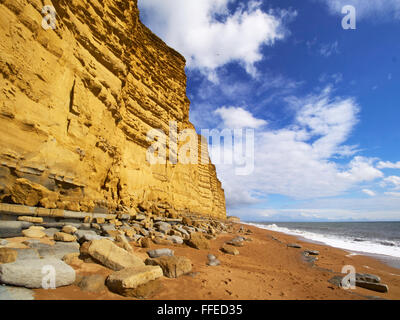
pixel 265 269
pixel 389 260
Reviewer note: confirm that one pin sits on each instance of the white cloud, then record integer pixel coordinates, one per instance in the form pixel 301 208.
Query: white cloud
pixel 392 181
pixel 393 194
pixel 388 165
pixel 329 49
pixel 298 160
pixel 367 8
pixel 237 118
pixel 369 192
pixel 208 42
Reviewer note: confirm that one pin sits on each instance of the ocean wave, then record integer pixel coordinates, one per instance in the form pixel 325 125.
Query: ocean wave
pixel 369 246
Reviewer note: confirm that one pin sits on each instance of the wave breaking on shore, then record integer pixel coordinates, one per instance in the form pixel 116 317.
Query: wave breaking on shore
pixel 353 244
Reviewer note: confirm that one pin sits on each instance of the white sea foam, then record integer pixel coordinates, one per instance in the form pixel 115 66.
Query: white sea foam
pixel 367 246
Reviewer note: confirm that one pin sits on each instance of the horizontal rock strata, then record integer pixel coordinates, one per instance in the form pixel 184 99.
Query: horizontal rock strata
pixel 76 104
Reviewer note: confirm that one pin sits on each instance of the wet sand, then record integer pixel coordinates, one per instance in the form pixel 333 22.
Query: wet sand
pixel 265 269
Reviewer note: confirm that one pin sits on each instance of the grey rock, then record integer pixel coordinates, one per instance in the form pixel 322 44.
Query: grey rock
pixel 3 242
pixel 15 293
pixel 368 277
pixel 163 227
pixel 57 225
pixel 59 250
pixel 213 261
pixel 27 254
pixel 87 235
pixel 175 239
pixel 336 280
pixel 11 229
pixel 160 252
pixel 108 227
pixel 28 273
pixel 238 238
pixel 51 231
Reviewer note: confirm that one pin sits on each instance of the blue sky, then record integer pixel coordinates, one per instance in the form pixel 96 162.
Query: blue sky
pixel 324 102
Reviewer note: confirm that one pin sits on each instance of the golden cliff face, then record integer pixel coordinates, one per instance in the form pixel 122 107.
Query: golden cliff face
pixel 76 104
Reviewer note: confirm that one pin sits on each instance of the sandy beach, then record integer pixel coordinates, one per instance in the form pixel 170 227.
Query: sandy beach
pixel 265 269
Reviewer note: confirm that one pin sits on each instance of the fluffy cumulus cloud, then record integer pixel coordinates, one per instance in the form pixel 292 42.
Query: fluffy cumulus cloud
pixel 368 8
pixel 237 118
pixel 299 160
pixel 210 36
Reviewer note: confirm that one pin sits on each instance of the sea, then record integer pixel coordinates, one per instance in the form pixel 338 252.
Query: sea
pixel 378 239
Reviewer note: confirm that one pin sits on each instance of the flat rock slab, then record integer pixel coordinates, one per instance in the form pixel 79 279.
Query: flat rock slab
pixel 11 229
pixel 173 267
pixel 160 252
pixel 294 245
pixel 378 287
pixel 311 252
pixel 27 254
pixel 368 277
pixel 15 293
pixel 111 256
pixel 131 278
pixel 59 250
pixel 31 273
pixel 87 235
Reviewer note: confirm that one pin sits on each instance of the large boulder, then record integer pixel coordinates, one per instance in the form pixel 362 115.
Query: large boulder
pixel 172 267
pixel 111 256
pixel 198 241
pixel 229 250
pixel 31 273
pixel 125 280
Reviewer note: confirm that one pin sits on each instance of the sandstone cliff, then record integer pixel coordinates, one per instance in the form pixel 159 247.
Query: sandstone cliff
pixel 76 104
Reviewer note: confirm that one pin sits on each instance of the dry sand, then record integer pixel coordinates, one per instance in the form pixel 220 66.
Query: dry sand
pixel 265 270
